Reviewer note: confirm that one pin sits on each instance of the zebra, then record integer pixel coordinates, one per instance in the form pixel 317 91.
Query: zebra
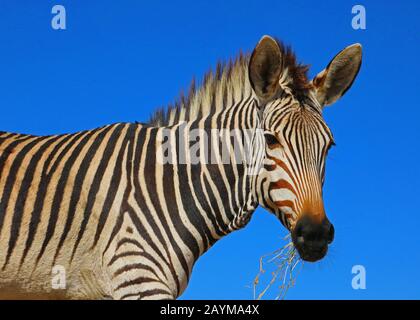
pixel 122 222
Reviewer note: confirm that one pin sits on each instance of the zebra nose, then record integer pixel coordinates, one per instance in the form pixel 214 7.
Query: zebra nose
pixel 311 238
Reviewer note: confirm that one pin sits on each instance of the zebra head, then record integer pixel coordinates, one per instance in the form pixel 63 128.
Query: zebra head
pixel 297 138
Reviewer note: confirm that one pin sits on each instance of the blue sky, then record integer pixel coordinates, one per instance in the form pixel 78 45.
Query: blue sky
pixel 117 61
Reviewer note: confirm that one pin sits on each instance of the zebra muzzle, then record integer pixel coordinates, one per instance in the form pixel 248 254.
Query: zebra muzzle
pixel 311 238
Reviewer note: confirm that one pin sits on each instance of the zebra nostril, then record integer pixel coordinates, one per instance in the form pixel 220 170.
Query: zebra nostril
pixel 299 231
pixel 331 232
pixel 300 240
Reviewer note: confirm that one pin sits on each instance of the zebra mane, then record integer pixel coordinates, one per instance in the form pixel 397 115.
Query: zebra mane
pixel 228 83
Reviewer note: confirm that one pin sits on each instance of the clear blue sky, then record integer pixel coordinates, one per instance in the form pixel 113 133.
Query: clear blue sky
pixel 118 60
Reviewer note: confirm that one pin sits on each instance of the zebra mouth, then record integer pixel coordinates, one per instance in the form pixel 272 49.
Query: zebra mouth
pixel 311 254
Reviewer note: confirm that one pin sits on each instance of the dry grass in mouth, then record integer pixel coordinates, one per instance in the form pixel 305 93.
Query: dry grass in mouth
pixel 286 265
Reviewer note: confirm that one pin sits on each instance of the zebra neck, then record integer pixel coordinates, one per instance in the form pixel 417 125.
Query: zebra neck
pixel 201 179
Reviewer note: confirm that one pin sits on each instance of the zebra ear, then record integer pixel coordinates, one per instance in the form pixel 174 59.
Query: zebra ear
pixel 331 83
pixel 265 68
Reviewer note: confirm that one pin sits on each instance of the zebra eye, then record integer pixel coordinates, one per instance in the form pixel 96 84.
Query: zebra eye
pixel 271 140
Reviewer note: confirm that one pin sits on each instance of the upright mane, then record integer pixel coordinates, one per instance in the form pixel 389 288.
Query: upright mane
pixel 225 85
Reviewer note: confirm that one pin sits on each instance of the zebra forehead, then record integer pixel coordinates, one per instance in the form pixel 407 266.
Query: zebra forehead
pixel 299 120
pixel 228 82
